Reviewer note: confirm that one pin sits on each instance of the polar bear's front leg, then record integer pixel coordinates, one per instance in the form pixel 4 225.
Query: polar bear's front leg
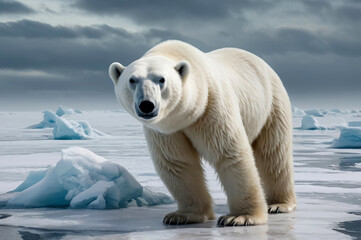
pixel 241 183
pixel 179 166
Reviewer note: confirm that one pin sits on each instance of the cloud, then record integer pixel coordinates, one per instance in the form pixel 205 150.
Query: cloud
pixel 313 45
pixel 148 12
pixel 29 44
pixel 298 40
pixel 349 10
pixel 35 29
pixel 14 7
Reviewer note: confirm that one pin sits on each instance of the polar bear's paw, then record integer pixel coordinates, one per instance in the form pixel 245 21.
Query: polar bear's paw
pixel 243 220
pixel 179 218
pixel 281 208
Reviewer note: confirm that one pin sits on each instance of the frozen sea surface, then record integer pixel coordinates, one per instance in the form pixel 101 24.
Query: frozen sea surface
pixel 328 185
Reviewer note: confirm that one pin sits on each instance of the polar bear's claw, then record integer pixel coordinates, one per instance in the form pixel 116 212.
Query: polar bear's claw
pixel 243 220
pixel 281 208
pixel 180 218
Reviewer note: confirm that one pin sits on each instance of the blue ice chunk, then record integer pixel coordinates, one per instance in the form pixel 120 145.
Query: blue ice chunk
pixel 153 198
pixel 48 192
pixel 93 197
pixel 32 178
pixel 49 120
pixel 82 179
pixel 70 129
pixel 354 123
pixel 310 123
pixel 67 129
pixel 350 137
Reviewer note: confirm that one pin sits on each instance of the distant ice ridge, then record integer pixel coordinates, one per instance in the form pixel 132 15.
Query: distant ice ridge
pixel 316 112
pixel 310 123
pixel 67 129
pixel 297 111
pixel 350 137
pixel 64 110
pixel 82 179
pixel 321 112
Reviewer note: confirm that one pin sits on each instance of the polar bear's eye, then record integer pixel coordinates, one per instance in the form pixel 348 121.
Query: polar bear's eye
pixel 162 80
pixel 131 80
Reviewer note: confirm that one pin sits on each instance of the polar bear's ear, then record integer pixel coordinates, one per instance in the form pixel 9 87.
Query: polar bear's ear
pixel 115 70
pixel 183 69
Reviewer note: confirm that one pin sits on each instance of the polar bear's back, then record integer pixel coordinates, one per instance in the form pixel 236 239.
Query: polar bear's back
pixel 233 72
pixel 177 50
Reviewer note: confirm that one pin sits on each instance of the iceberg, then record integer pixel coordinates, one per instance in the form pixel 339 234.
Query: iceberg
pixel 49 120
pixel 82 179
pixel 70 129
pixel 310 123
pixel 350 137
pixel 315 112
pixel 67 129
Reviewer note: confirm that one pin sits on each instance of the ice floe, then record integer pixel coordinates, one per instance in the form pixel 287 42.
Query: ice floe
pixel 82 179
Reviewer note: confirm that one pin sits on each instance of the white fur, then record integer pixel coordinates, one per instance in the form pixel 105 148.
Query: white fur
pixel 227 106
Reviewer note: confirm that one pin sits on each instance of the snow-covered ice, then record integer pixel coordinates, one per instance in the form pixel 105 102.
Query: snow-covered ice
pixel 310 123
pixel 328 185
pixel 82 179
pixel 315 112
pixel 350 137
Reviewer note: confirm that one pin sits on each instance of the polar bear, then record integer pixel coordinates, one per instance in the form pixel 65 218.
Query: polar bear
pixel 226 106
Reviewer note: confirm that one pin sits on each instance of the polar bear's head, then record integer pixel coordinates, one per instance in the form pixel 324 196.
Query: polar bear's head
pixel 149 88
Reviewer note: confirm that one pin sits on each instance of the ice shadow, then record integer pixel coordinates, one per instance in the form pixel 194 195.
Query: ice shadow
pixel 350 228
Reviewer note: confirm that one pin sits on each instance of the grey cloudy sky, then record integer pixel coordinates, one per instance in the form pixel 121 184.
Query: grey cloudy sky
pixel 58 52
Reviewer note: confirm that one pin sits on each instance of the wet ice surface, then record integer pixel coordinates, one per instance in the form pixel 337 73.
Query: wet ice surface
pixel 328 185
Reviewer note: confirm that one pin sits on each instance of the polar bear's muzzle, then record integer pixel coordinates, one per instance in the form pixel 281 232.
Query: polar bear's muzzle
pixel 146 102
pixel 146 109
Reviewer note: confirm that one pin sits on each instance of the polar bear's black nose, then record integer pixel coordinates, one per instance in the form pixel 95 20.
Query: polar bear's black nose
pixel 146 106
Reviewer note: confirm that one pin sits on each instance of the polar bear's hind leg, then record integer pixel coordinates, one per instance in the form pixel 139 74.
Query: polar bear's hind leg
pixel 273 154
